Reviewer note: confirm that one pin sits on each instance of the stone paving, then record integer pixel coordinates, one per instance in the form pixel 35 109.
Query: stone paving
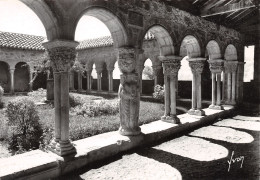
pixel 228 149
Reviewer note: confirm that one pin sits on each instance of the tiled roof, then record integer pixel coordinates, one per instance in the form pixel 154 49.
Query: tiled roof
pixel 24 41
pixel 21 41
pixel 98 42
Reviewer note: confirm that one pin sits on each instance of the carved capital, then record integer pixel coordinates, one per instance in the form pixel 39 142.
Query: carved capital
pixel 197 65
pixel 62 54
pixel 231 66
pixel 126 59
pixel 171 65
pixel 216 66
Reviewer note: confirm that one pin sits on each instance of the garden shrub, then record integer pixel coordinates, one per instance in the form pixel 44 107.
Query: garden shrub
pixel 1 96
pixel 75 100
pixel 25 130
pixel 158 92
pixel 103 107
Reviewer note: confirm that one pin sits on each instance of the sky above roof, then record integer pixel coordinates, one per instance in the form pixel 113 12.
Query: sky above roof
pixel 25 21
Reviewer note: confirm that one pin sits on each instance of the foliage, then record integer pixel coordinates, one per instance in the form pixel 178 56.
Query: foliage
pixel 23 120
pixel 98 108
pixel 158 92
pixel 1 97
pixel 148 73
pixel 75 100
pixel 38 96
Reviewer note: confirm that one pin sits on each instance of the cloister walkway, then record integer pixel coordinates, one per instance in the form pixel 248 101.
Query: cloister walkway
pixel 228 149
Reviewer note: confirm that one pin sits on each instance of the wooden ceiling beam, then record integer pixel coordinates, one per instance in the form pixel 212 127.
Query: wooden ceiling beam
pixel 243 4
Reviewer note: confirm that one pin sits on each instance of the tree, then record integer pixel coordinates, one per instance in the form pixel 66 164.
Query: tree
pixel 148 73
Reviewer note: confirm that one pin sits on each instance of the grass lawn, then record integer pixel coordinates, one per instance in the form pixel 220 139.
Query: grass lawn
pixel 83 126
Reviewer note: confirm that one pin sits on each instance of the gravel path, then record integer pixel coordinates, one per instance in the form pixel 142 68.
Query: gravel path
pixel 203 154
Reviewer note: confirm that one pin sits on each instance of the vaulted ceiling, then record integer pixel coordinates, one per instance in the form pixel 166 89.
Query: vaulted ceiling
pixel 242 15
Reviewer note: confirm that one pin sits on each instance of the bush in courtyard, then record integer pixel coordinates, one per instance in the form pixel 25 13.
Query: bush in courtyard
pixel 25 130
pixel 103 107
pixel 158 92
pixel 1 96
pixel 75 100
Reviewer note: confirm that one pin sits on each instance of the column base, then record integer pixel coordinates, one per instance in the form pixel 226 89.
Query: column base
pixel 130 132
pixel 196 112
pixel 62 148
pixel 216 107
pixel 171 119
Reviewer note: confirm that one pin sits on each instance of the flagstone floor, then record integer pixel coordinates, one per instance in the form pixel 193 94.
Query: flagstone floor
pixel 228 149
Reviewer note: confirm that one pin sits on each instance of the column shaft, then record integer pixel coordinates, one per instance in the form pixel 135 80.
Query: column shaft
pixel 223 86
pixel 218 89
pixel 167 95
pixel 79 81
pixel 89 81
pixel 57 105
pixel 229 87
pixel 99 81
pixel 72 80
pixel 12 80
pixel 110 81
pixel 198 81
pixel 194 92
pixel 233 87
pixel 173 95
pixel 213 89
pixel 30 81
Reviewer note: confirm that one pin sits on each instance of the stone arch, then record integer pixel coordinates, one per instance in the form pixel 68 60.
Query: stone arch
pixel 190 46
pixel 213 50
pixel 113 23
pixel 21 77
pixel 46 16
pixel 230 53
pixel 163 38
pixel 4 76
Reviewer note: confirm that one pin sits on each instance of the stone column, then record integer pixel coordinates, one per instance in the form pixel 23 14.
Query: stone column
pixel 62 54
pixel 79 81
pixel 234 83
pixel 99 85
pixel 110 79
pixel 240 80
pixel 216 67
pixel 31 80
pixel 156 72
pixel 129 92
pixel 71 74
pixel 171 66
pixel 196 65
pixel 231 69
pixel 89 80
pixel 12 80
pixel 139 70
pixel 224 86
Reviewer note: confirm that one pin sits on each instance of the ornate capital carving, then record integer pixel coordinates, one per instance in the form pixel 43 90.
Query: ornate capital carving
pixel 231 66
pixel 197 64
pixel 126 59
pixel 216 66
pixel 62 54
pixel 171 65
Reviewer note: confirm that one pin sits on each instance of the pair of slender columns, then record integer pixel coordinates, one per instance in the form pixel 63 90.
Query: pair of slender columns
pixel 171 66
pixel 196 65
pixel 110 80
pixel 216 68
pixel 79 81
pixel 99 83
pixel 89 80
pixel 231 71
pixel 62 54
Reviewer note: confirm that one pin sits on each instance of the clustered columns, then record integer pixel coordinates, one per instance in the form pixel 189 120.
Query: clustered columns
pixel 110 78
pixel 89 79
pixel 171 66
pixel 62 54
pixel 156 72
pixel 231 71
pixel 129 92
pixel 216 68
pixel 196 65
pixel 99 75
pixel 12 79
